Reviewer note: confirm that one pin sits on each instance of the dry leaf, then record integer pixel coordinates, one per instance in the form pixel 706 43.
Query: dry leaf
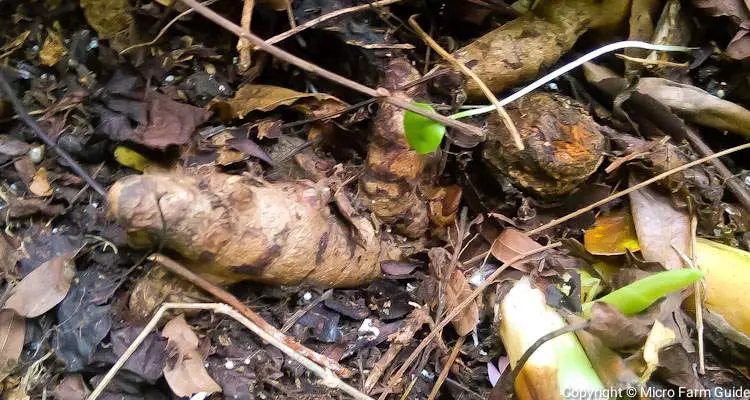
pixel 739 47
pixel 457 291
pixel 510 244
pixel 110 18
pixel 184 371
pixel 616 330
pixel 737 10
pixel 249 98
pixel 40 184
pixel 12 333
pixel 13 147
pixel 661 228
pixel 8 257
pixel 660 337
pixel 44 287
pixel 72 387
pixel 611 235
pixel 52 49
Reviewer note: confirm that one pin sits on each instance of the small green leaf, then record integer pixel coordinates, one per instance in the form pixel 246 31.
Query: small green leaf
pixel 423 134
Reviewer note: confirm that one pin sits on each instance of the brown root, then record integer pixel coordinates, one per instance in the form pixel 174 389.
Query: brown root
pixel 563 145
pixel 393 169
pixel 233 229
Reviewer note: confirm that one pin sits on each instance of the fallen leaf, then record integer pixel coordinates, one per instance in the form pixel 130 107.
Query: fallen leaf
pixel 52 49
pixel 131 158
pixel 8 257
pixel 737 10
pixel 739 47
pixel 269 129
pixel 510 244
pixel 40 184
pixel 659 337
pixel 148 359
pixel 397 268
pixel 612 234
pixel 457 291
pixel 249 148
pixel 184 371
pixel 169 122
pixel 16 43
pixel 249 98
pixel 72 387
pixel 662 230
pixel 12 334
pixel 676 367
pixel 13 147
pixel 616 330
pixel 25 168
pixel 43 288
pixel 110 18
pixel 87 318
pixel 19 208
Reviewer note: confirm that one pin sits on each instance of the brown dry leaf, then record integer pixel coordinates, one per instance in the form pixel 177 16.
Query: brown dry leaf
pixel 510 244
pixel 25 168
pixel 110 18
pixel 8 257
pixel 739 47
pixel 249 98
pixel 737 10
pixel 40 184
pixel 72 387
pixel 15 44
pixel 661 228
pixel 612 234
pixel 12 334
pixel 52 49
pixel 44 287
pixel 676 367
pixel 616 330
pixel 457 291
pixel 184 371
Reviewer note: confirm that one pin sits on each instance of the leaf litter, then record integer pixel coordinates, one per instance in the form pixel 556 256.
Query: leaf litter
pixel 266 182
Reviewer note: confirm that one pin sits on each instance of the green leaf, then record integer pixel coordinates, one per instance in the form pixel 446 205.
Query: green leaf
pixel 423 134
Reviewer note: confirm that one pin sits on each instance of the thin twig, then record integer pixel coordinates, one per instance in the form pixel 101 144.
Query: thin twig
pixel 302 311
pixel 459 309
pixel 328 378
pixel 228 298
pixel 468 72
pixel 662 63
pixel 633 188
pixel 164 29
pixel 39 132
pixel 474 134
pixel 243 45
pixel 446 368
pixel 326 17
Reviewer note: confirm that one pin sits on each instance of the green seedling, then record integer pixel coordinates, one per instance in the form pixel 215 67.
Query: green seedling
pixel 423 134
pixel 641 294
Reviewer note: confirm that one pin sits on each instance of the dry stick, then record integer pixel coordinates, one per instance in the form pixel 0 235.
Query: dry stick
pixel 473 132
pixel 652 62
pixel 165 28
pixel 459 308
pixel 633 188
pixel 468 72
pixel 39 132
pixel 328 378
pixel 243 45
pixel 228 298
pixel 446 368
pixel 302 311
pixel 326 17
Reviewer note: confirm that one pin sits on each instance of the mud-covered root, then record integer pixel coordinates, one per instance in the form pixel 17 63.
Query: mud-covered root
pixel 563 145
pixel 393 169
pixel 518 50
pixel 230 229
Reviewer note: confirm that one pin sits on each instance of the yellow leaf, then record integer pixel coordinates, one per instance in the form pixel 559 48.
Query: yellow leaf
pixel 659 337
pixel 131 158
pixel 52 49
pixel 612 234
pixel 110 18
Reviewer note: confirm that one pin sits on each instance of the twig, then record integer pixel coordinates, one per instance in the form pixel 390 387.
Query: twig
pixel 301 312
pixel 228 298
pixel 243 45
pixel 633 188
pixel 326 17
pixel 39 132
pixel 164 29
pixel 446 368
pixel 459 309
pixel 468 72
pixel 328 378
pixel 473 132
pixel 569 67
pixel 644 61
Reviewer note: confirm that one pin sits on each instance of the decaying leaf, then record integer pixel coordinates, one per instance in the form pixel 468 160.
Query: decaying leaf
pixel 457 291
pixel 659 337
pixel 737 10
pixel 663 231
pixel 12 334
pixel 676 367
pixel 13 147
pixel 512 243
pixel 44 287
pixel 157 286
pixel 72 387
pixel 616 330
pixel 184 371
pixel 131 158
pixel 110 18
pixel 40 184
pixel 250 97
pixel 613 234
pixel 8 257
pixel 52 48
pixel 739 47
